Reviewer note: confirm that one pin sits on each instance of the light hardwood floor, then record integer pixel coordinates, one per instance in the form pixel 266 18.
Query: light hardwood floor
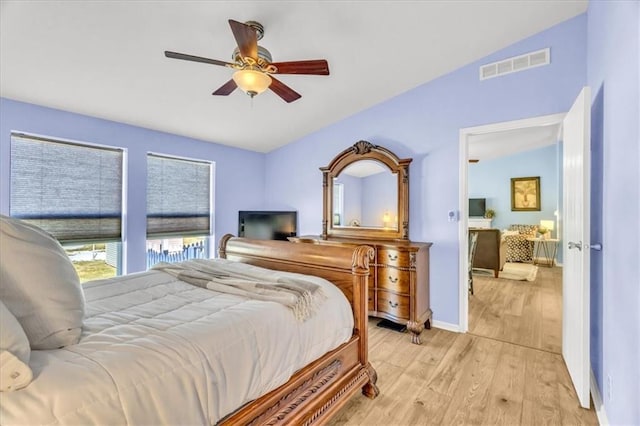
pixel 466 379
pixel 521 312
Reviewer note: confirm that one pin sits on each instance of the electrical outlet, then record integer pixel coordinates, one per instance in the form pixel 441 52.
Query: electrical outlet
pixel 609 388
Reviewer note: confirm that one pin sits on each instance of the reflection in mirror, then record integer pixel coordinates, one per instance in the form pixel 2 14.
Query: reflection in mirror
pixel 366 204
pixel 365 194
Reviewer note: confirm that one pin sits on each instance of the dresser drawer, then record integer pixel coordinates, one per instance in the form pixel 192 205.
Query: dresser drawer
pixel 394 304
pixel 394 279
pixel 393 257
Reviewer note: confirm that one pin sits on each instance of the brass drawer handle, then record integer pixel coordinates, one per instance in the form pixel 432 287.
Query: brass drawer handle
pixel 392 279
pixel 393 305
pixel 393 257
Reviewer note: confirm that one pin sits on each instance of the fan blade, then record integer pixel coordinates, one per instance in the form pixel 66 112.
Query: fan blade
pixel 226 88
pixel 176 55
pixel 285 92
pixel 246 38
pixel 312 67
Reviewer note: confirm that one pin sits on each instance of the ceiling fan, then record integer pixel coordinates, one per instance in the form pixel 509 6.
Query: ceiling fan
pixel 254 69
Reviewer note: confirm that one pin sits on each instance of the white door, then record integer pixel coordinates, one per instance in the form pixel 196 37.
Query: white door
pixel 575 215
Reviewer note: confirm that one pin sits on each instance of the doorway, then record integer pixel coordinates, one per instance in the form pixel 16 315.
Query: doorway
pixel 527 313
pixel 576 187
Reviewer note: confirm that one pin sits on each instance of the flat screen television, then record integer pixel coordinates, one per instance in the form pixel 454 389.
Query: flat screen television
pixel 477 206
pixel 267 225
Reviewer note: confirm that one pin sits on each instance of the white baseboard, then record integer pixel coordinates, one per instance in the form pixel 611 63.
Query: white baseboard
pixel 446 326
pixel 598 402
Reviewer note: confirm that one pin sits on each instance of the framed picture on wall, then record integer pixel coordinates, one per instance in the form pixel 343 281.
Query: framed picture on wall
pixel 525 194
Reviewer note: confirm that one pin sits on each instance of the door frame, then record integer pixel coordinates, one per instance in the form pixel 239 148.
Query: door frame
pixel 463 208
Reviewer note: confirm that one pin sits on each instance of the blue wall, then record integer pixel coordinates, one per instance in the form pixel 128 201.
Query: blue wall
pixel 424 124
pixel 238 173
pixel 352 199
pixel 379 196
pixel 613 75
pixel 492 180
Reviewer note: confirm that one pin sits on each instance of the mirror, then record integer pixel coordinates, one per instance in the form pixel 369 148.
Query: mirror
pixel 366 194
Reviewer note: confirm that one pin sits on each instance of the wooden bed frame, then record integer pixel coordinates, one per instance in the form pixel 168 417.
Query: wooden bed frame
pixel 315 392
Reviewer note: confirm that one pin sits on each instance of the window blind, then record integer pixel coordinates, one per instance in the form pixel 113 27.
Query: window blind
pixel 178 196
pixel 72 191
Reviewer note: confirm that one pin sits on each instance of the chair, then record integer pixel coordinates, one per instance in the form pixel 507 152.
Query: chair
pixel 491 250
pixel 473 242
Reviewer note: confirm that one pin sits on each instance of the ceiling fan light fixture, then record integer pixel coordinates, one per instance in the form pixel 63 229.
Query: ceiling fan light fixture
pixel 253 66
pixel 252 82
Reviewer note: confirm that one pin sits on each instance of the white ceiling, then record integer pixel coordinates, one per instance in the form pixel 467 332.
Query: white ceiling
pixel 490 146
pixel 364 168
pixel 105 58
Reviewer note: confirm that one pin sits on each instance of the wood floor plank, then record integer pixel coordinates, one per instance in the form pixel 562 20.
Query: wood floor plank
pixel 527 313
pixel 386 347
pixel 490 323
pixel 514 303
pixel 356 411
pixel 571 413
pixel 436 344
pixel 403 359
pixel 541 404
pixel 400 396
pixel 470 398
pixel 494 378
pixel 425 364
pixel 551 338
pixel 506 392
pixel 428 408
pixel 449 372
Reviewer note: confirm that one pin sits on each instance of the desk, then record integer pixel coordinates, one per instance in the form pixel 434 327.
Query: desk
pixel 545 249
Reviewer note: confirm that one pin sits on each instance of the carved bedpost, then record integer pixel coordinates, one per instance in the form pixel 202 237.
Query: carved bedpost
pixel 362 255
pixel 222 246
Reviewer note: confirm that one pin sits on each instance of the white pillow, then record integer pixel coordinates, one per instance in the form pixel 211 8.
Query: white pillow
pixel 15 352
pixel 40 286
pixel 506 233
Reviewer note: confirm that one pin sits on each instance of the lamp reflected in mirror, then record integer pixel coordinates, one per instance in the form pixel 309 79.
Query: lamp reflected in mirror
pixel 386 219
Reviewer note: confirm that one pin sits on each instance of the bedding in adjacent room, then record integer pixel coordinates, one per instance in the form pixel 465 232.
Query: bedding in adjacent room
pixel 156 350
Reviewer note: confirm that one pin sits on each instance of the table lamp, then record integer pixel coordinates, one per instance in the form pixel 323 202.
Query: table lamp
pixel 548 224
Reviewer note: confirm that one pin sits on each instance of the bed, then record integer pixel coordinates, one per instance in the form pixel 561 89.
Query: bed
pixel 147 356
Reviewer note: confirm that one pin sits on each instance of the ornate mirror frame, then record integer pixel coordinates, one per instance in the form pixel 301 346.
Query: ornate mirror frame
pixel 363 150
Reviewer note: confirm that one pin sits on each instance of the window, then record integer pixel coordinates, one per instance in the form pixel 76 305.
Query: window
pixel 338 204
pixel 178 209
pixel 74 192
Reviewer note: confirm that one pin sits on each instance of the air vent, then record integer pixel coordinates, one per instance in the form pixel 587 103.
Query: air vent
pixel 515 64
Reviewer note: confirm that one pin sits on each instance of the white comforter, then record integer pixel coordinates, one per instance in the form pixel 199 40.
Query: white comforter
pixel 155 350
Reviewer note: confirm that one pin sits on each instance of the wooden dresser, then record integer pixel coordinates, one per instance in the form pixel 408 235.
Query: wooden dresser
pixel 398 281
pixel 375 212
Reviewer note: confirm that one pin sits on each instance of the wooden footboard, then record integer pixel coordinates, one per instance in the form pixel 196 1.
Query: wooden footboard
pixel 318 390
